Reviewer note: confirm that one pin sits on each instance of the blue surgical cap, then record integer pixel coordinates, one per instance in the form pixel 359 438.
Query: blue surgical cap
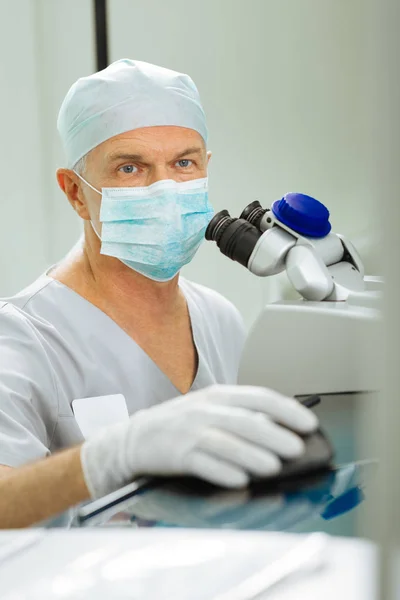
pixel 127 95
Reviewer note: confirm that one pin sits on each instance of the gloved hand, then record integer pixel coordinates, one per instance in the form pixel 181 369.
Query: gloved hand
pixel 222 434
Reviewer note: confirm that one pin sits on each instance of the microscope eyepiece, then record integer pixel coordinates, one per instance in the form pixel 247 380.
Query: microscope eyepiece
pixel 253 213
pixel 217 225
pixel 236 238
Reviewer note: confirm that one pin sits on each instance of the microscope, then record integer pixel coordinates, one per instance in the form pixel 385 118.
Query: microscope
pixel 293 235
pixel 327 342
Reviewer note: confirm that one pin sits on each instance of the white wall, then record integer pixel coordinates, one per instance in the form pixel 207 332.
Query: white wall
pixel 283 85
pixel 384 417
pixel 66 51
pixel 44 46
pixel 23 227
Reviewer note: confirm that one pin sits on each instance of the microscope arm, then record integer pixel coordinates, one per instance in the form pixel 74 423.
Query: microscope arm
pixel 326 268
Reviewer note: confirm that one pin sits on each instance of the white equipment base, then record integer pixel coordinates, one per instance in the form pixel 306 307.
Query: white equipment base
pixel 303 347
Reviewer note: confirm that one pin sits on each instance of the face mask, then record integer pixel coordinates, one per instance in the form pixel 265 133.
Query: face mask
pixel 154 230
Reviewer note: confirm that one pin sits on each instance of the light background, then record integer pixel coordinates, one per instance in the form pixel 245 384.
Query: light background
pixel 285 88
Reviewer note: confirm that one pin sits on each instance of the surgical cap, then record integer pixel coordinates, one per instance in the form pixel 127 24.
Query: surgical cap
pixel 127 95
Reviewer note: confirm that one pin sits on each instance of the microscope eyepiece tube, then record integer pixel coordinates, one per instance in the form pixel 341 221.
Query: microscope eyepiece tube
pixel 236 238
pixel 253 213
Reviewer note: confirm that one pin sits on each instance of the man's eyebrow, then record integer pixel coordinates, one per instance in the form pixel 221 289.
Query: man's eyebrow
pixel 141 158
pixel 125 156
pixel 192 150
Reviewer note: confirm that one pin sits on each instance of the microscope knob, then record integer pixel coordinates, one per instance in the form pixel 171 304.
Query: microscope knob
pixel 302 214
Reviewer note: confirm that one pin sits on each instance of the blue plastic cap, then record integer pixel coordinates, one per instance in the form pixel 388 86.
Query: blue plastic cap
pixel 303 214
pixel 344 503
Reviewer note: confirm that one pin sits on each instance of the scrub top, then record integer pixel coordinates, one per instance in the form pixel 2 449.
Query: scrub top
pixel 56 347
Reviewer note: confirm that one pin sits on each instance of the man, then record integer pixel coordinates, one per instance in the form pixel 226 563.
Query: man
pixel 224 434
pixel 112 329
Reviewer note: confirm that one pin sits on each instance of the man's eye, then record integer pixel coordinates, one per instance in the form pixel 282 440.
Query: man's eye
pixel 128 169
pixel 184 163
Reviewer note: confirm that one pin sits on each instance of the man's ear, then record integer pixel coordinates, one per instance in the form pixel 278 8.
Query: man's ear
pixel 209 155
pixel 71 185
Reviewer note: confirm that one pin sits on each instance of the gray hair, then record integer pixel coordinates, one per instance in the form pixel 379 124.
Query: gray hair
pixel 80 166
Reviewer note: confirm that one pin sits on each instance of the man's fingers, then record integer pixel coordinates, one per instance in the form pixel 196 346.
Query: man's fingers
pixel 256 428
pixel 233 449
pixel 285 410
pixel 214 470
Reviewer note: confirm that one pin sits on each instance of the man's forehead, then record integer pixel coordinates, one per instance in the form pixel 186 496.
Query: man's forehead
pixel 150 141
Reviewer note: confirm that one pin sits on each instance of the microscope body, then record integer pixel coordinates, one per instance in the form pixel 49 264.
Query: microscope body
pixel 320 268
pixel 327 342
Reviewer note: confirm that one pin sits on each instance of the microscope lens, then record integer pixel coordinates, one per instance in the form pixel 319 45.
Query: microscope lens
pixel 236 238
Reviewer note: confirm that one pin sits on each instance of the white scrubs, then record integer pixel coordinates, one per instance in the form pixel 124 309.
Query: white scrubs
pixel 56 347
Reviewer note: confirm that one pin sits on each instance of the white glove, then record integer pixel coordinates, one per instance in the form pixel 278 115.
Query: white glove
pixel 222 434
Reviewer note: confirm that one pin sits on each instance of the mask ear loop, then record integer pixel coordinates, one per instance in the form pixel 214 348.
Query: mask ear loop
pixel 95 190
pixel 94 229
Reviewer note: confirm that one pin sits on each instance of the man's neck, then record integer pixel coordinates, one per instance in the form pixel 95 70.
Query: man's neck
pixel 111 285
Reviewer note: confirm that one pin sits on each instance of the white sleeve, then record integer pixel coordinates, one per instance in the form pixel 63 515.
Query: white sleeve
pixel 28 393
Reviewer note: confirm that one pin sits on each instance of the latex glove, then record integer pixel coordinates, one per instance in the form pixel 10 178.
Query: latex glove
pixel 222 434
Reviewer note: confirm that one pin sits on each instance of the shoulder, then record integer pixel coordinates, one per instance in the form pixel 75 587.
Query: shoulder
pixel 22 299
pixel 18 331
pixel 42 306
pixel 23 342
pixel 12 318
pixel 215 306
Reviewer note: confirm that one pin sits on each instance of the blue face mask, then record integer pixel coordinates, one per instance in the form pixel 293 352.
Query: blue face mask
pixel 155 230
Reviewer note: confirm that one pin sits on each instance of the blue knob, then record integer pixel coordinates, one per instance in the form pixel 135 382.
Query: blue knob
pixel 303 214
pixel 343 503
